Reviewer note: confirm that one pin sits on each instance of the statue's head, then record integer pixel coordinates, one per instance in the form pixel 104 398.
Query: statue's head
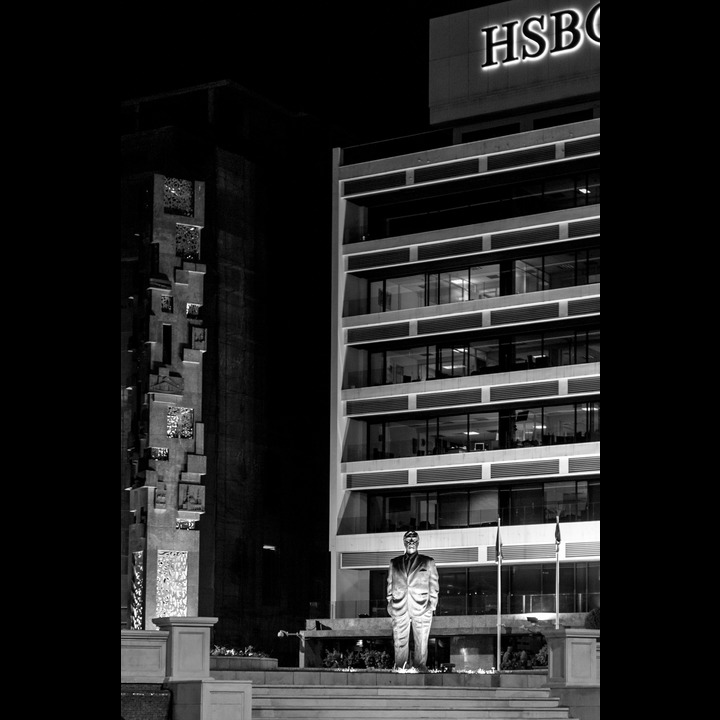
pixel 411 540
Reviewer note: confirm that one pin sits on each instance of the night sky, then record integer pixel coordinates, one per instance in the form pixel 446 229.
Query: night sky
pixel 360 66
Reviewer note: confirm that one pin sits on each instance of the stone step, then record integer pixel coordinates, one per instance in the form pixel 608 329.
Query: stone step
pixel 294 702
pixel 309 700
pixel 403 691
pixel 397 714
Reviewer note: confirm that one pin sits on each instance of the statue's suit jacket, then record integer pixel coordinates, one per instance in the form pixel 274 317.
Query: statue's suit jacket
pixel 414 592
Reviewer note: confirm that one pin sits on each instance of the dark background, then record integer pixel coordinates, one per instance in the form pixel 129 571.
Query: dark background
pixel 359 66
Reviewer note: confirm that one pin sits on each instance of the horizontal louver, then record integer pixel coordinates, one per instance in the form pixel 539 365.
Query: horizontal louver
pixel 378 332
pixel 584 227
pixel 383 558
pixel 448 324
pixel 356 480
pixel 379 182
pixel 584 464
pixel 525 237
pixel 391 257
pixel 521 157
pixel 584 306
pixel 449 474
pixel 582 549
pixel 582 385
pixel 513 392
pixel 447 170
pixel 524 314
pixel 573 148
pixel 523 552
pixel 457 397
pixel 450 249
pixel 520 469
pixel 359 407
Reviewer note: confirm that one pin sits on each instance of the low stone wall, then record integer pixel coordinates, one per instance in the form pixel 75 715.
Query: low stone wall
pixel 310 676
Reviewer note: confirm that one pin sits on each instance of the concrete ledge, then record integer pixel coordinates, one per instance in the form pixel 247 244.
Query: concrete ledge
pixel 310 676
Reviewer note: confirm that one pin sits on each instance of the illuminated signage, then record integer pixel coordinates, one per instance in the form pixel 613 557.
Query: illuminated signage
pixel 537 36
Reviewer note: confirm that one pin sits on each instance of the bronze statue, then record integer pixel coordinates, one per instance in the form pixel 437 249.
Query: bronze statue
pixel 412 596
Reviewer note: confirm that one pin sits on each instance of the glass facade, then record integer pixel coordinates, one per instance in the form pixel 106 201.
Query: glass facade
pixel 476 282
pixel 482 355
pixel 576 183
pixel 471 432
pixel 443 509
pixel 527 588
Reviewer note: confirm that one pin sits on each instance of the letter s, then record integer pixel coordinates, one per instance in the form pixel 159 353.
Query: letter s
pixel 535 37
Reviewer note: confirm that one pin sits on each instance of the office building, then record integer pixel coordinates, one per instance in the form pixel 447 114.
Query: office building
pixel 465 387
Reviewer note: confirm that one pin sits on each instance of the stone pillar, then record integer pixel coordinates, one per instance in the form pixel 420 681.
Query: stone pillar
pixel 188 647
pixel 197 696
pixel 573 657
pixel 212 699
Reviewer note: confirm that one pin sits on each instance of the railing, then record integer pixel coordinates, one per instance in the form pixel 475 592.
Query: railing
pixel 470 604
pixel 360 452
pixel 523 515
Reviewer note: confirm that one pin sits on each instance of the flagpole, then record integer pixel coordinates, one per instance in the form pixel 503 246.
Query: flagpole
pixel 557 572
pixel 498 557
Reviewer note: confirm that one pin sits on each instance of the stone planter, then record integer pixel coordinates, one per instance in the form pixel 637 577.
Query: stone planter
pixel 240 663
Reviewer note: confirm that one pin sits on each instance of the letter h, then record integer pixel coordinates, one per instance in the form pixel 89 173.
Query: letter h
pixel 508 42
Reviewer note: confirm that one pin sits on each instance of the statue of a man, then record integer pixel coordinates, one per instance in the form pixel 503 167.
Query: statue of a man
pixel 412 596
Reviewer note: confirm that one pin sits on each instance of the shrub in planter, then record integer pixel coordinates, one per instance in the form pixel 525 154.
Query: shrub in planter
pixel 357 659
pixel 541 657
pixel 249 651
pixel 379 659
pixel 592 619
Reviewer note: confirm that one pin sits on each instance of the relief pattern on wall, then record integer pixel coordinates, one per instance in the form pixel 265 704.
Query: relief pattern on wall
pixel 179 422
pixel 172 583
pixel 187 242
pixel 191 496
pixel 179 197
pixel 136 591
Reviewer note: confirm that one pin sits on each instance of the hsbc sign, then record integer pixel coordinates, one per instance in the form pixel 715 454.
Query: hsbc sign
pixel 514 54
pixel 536 36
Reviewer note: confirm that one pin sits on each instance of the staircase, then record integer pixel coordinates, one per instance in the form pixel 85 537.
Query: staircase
pixel 420 702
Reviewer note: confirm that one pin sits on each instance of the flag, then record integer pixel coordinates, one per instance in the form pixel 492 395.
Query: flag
pixel 498 545
pixel 557 530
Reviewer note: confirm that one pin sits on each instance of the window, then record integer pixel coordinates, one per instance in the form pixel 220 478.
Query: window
pixel 483 507
pixel 453 509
